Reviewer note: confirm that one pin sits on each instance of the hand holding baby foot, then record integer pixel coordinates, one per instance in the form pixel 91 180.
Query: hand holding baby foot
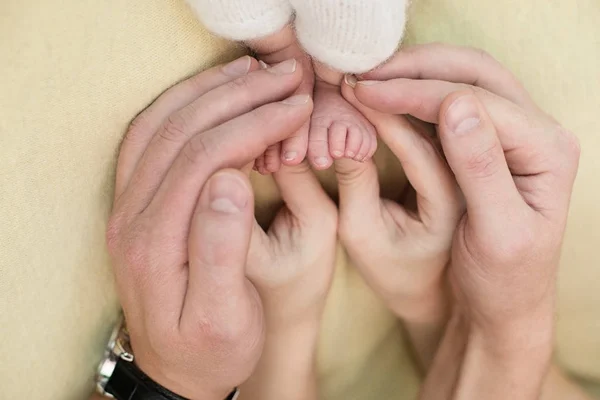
pixel 402 254
pixel 337 128
pixel 291 266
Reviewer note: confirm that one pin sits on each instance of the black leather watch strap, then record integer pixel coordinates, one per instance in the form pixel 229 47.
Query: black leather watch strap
pixel 128 382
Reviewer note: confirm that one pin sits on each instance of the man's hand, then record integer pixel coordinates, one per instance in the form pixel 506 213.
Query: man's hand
pixel 516 167
pixel 181 225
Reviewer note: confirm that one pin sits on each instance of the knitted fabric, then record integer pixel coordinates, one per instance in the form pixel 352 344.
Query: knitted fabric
pixel 352 36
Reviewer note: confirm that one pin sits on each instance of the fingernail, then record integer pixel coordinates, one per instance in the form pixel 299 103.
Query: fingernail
pixel 337 154
pixel 350 154
pixel 297 100
pixel 290 156
pixel 239 67
pixel 368 83
pixel 263 65
pixel 286 67
pixel 321 161
pixel 463 115
pixel 350 80
pixel 228 194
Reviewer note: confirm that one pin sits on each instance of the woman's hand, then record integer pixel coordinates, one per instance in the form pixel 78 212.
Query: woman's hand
pixel 402 253
pixel 291 266
pixel 182 222
pixel 292 263
pixel 516 167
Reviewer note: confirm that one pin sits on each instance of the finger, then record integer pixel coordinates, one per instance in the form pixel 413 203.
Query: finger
pixel 215 107
pixel 294 148
pixel 359 201
pixel 423 165
pixel 230 145
pixel 304 196
pixel 525 139
pixel 454 64
pixel 145 125
pixel 218 247
pixel 475 154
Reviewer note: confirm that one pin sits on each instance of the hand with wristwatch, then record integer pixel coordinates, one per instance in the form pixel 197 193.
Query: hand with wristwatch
pixel 119 377
pixel 196 277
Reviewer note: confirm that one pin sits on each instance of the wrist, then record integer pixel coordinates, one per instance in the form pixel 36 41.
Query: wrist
pixel 201 389
pixel 512 363
pixel 425 306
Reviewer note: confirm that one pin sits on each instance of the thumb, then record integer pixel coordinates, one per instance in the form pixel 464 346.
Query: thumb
pixel 475 154
pixel 359 195
pixel 218 248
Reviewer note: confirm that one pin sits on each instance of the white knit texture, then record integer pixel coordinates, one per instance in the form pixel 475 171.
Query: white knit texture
pixel 352 36
pixel 242 19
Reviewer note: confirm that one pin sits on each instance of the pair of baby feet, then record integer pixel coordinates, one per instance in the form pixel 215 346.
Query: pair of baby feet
pixel 336 129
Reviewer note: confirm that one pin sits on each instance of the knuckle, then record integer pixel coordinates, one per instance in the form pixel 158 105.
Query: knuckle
pixel 243 83
pixel 196 151
pixel 174 129
pixel 484 164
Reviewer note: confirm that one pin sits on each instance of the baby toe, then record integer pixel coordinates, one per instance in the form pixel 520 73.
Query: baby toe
pixel 293 149
pixel 369 144
pixel 318 147
pixel 259 165
pixel 354 141
pixel 273 158
pixel 337 140
pixel 373 146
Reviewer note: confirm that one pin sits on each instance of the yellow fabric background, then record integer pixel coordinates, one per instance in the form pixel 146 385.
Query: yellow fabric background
pixel 73 73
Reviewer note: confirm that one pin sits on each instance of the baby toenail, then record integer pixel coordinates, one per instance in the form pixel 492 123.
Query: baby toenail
pixel 321 161
pixel 290 156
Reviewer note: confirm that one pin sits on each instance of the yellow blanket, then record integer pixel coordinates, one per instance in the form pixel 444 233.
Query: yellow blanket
pixel 73 73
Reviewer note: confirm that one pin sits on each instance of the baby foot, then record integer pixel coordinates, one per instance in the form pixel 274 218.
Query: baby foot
pixel 274 49
pixel 337 129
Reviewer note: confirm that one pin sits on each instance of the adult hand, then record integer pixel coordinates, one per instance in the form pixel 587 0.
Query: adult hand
pixel 181 225
pixel 292 263
pixel 516 167
pixel 402 253
pixel 292 267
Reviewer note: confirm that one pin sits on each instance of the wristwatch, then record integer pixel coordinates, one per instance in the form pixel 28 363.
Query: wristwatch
pixel 119 377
